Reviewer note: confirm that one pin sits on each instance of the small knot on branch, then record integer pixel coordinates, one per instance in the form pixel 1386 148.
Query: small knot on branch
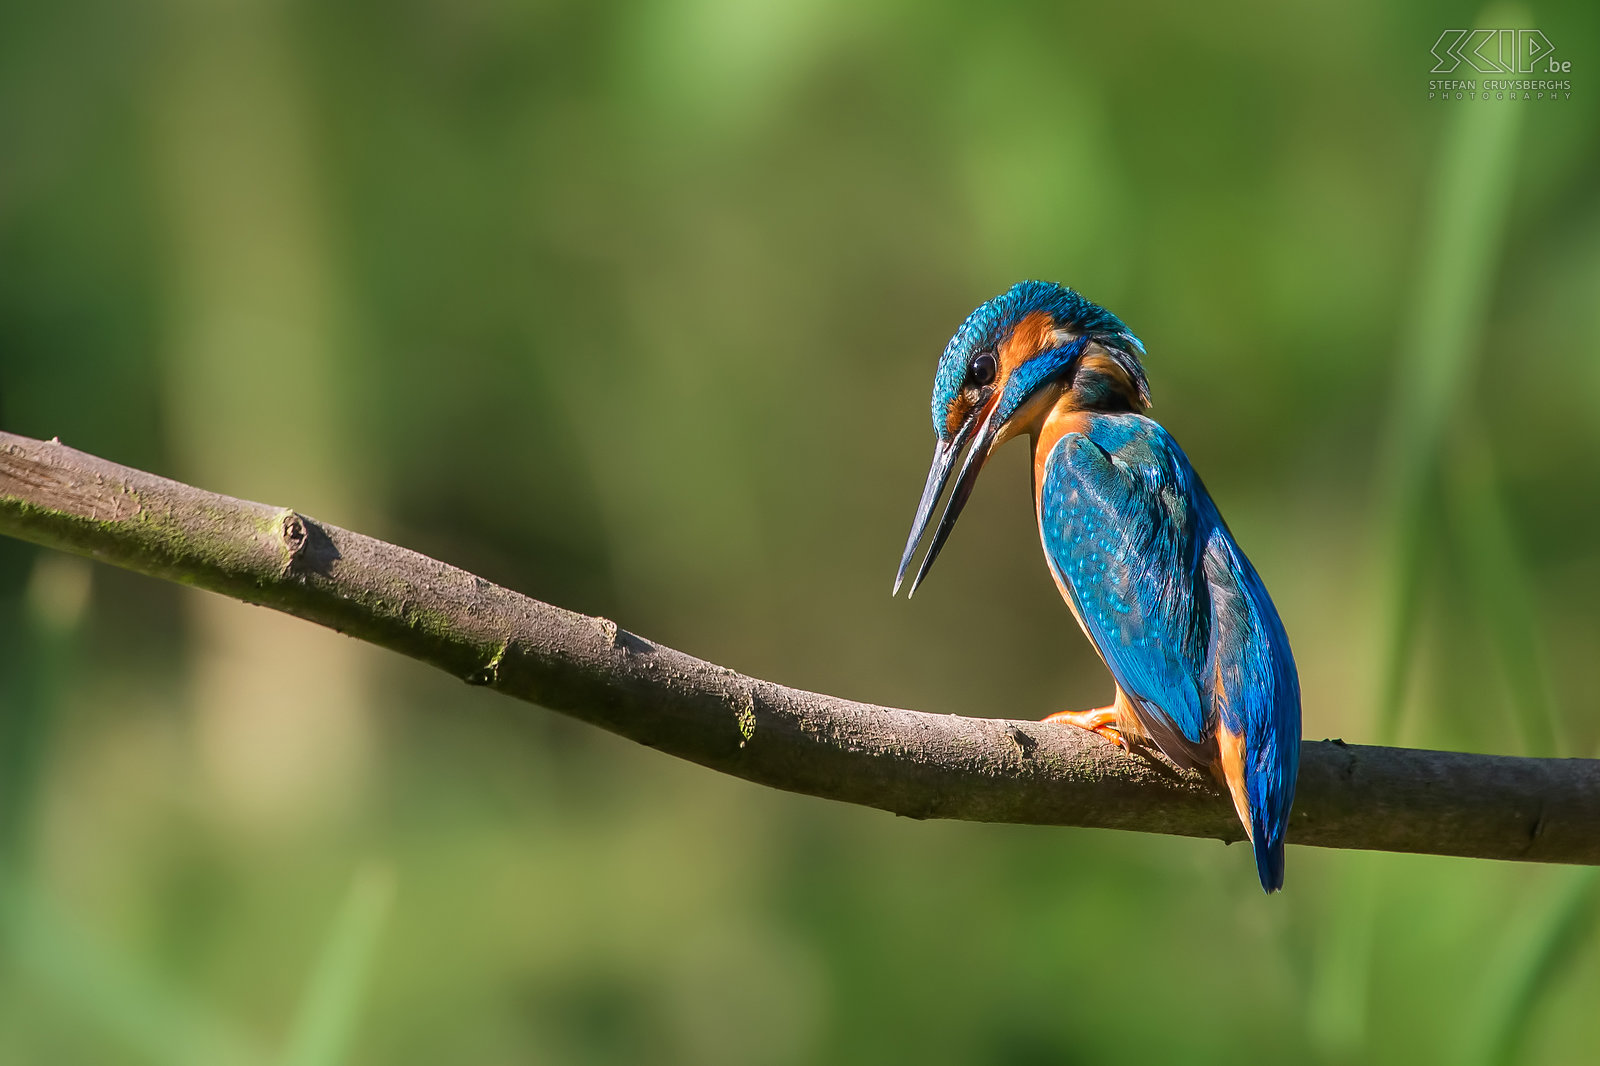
pixel 1024 742
pixel 294 534
pixel 620 638
pixel 307 546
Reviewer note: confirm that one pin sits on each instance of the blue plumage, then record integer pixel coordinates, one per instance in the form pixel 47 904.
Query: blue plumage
pixel 1123 543
pixel 1202 664
pixel 1175 609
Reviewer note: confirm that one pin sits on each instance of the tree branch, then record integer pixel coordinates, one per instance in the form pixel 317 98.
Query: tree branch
pixel 910 763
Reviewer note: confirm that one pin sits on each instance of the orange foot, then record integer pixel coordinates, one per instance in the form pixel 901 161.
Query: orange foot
pixel 1101 720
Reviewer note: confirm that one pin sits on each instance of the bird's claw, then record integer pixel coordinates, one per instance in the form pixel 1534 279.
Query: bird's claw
pixel 1116 737
pixel 1100 721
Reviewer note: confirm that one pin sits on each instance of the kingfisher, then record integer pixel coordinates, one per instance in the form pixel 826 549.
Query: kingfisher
pixel 1201 664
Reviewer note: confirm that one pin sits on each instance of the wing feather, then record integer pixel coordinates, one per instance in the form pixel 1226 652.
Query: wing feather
pixel 1123 539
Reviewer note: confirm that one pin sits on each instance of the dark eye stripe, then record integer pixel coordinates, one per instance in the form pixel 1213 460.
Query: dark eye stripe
pixel 983 368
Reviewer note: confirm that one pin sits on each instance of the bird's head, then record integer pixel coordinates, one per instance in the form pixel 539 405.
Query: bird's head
pixel 1013 359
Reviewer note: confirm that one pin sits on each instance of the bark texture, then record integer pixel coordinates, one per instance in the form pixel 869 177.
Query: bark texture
pixel 911 763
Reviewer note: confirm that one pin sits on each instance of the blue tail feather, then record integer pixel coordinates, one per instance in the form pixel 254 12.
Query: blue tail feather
pixel 1269 857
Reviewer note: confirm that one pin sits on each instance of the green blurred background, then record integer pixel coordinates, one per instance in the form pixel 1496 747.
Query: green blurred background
pixel 634 307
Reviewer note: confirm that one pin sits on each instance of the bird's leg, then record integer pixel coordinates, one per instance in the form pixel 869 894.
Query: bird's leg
pixel 1101 720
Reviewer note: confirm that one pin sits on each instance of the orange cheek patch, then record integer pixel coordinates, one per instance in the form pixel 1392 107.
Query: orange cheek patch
pixel 1028 338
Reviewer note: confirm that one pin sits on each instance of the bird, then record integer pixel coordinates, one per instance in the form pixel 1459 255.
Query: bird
pixel 1200 659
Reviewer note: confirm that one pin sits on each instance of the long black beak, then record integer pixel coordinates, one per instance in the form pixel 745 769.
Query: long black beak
pixel 944 459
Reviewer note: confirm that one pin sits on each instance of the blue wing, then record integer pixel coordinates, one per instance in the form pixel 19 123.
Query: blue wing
pixel 1256 692
pixel 1124 539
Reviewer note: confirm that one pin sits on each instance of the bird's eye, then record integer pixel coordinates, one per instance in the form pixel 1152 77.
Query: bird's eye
pixel 983 369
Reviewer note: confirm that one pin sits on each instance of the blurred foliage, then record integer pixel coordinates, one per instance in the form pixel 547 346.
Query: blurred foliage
pixel 634 307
